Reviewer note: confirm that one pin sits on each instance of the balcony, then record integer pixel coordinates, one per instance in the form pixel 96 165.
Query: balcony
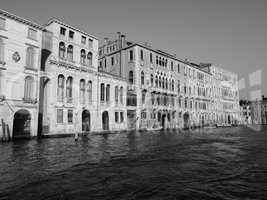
pixel 29 100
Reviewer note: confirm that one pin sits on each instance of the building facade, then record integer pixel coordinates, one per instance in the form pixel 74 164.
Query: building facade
pixel 259 111
pixel 20 57
pixel 166 92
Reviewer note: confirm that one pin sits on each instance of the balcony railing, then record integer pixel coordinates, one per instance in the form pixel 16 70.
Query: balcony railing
pixel 29 100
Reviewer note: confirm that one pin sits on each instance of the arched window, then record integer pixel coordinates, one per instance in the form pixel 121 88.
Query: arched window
pixel 102 92
pixel 166 84
pixel 70 53
pixel 108 93
pixel 60 87
pixel 163 83
pixel 131 77
pixel 151 80
pixel 62 50
pixel 156 81
pixel 28 88
pixel 121 95
pixel 159 82
pixel 69 89
pixel 116 94
pixel 30 57
pixel 89 91
pixel 142 78
pixel 2 49
pixel 172 85
pixel 83 57
pixel 90 59
pixel 82 91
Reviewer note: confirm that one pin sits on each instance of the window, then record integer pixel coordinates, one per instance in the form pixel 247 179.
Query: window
pixel 83 56
pixel 28 88
pixel 71 34
pixel 60 87
pixel 131 78
pixel 83 39
pixel 116 94
pixel 30 57
pixel 143 115
pixel 131 55
pixel 142 78
pixel 90 43
pixel 108 93
pixel 62 50
pixel 116 117
pixel 172 66
pixel 2 50
pixel 69 89
pixel 157 60
pixel 62 31
pixel 178 68
pixel 32 34
pixel 121 116
pixel 160 82
pixel 141 54
pixel 70 53
pixel 151 58
pixel 90 59
pixel 70 116
pixel 112 61
pixel 172 85
pixel 151 80
pixel 143 97
pixel 82 91
pixel 2 23
pixel 156 81
pixel 89 91
pixel 59 116
pixel 121 95
pixel 102 92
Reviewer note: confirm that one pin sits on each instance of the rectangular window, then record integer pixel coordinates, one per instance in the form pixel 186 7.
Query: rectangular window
pixel 112 61
pixel 179 68
pixel 90 43
pixel 70 116
pixel 71 34
pixel 83 40
pixel 121 116
pixel 59 116
pixel 62 31
pixel 32 34
pixel 2 23
pixel 131 55
pixel 141 55
pixel 116 117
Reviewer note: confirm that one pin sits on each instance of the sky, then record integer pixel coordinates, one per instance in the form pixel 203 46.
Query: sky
pixel 227 33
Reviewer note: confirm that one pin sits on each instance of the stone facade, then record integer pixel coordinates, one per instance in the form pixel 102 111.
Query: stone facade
pixel 166 92
pixel 20 57
pixel 259 111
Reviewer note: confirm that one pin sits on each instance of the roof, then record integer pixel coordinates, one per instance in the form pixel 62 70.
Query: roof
pixel 22 20
pixel 69 26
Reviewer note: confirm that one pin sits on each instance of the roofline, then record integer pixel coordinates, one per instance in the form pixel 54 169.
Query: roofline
pixel 22 20
pixel 161 53
pixel 69 26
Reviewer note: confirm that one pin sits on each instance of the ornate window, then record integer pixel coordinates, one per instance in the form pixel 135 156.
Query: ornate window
pixel 30 57
pixel 62 50
pixel 90 59
pixel 121 95
pixel 142 78
pixel 89 91
pixel 83 57
pixel 60 87
pixel 131 77
pixel 70 53
pixel 82 91
pixel 28 88
pixel 69 89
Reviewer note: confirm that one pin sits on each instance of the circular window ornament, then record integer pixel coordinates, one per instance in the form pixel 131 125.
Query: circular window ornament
pixel 16 57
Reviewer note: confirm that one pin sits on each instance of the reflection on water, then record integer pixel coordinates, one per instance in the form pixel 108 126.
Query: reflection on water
pixel 226 163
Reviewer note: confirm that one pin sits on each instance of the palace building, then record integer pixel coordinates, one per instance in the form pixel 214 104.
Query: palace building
pixel 55 79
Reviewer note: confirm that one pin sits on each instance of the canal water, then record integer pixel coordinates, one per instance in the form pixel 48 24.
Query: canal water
pixel 223 163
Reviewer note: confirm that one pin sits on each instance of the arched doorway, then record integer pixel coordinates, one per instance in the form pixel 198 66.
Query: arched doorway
pixel 186 120
pixel 163 118
pixel 22 124
pixel 229 119
pixel 105 120
pixel 86 121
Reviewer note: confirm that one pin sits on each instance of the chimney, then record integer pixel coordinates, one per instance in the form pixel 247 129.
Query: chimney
pixel 123 41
